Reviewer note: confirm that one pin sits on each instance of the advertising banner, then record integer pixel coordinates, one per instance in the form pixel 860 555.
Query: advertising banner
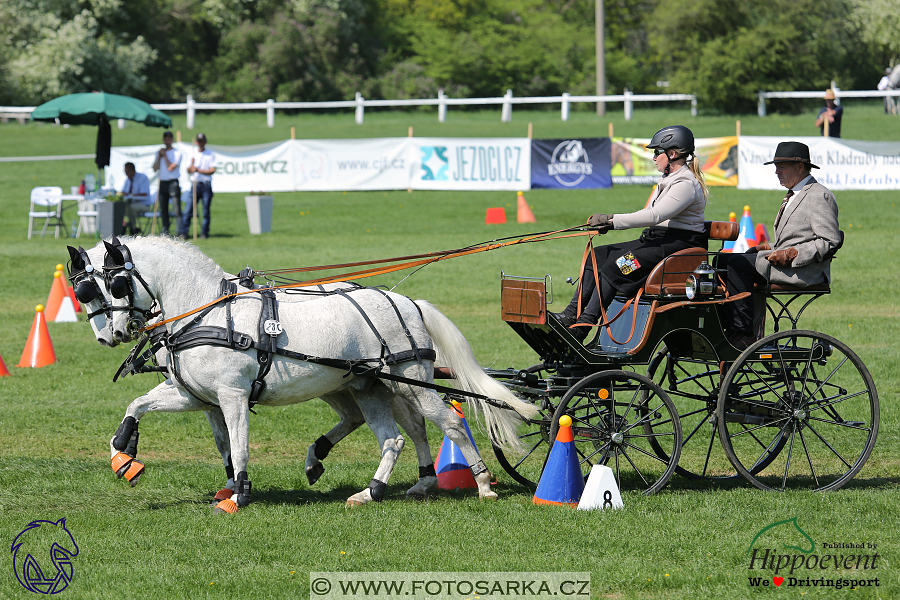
pixel 632 162
pixel 843 164
pixel 471 164
pixel 367 164
pixel 571 164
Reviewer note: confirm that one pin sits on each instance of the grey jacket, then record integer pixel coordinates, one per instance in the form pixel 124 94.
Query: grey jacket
pixel 809 224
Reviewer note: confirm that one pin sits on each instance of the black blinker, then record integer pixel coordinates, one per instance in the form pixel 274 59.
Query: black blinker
pixel 85 292
pixel 118 287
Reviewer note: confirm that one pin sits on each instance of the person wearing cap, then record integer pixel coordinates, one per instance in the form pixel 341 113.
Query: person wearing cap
pixel 831 114
pixel 673 218
pixel 168 164
pixel 806 237
pixel 202 167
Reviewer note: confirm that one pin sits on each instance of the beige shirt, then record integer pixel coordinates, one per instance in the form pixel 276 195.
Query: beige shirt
pixel 678 203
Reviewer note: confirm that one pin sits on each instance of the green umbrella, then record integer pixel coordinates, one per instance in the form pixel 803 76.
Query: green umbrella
pixel 90 109
pixel 99 108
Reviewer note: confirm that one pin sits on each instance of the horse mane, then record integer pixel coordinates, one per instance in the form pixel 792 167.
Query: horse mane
pixel 165 243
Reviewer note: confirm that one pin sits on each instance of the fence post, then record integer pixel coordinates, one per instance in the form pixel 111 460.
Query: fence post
pixel 442 106
pixel 506 112
pixel 837 93
pixel 627 105
pixel 761 107
pixel 190 112
pixel 359 109
pixel 270 113
pixel 565 106
pixel 693 106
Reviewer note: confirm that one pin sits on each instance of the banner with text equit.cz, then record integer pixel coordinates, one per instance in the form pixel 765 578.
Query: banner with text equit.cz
pixel 632 161
pixel 843 164
pixel 570 164
pixel 365 164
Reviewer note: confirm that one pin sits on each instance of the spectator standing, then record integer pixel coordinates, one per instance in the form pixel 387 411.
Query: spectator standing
pixel 136 191
pixel 884 85
pixel 202 167
pixel 168 164
pixel 832 114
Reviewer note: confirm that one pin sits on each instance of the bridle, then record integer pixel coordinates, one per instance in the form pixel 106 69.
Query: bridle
pixel 118 274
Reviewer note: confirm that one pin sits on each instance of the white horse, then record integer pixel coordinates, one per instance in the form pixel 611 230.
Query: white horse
pixel 343 403
pixel 180 278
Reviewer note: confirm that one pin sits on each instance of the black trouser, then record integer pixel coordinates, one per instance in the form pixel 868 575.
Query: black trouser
pixel 591 299
pixel 169 189
pixel 741 277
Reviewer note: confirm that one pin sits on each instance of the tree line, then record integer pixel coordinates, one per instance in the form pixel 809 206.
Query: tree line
pixel 724 51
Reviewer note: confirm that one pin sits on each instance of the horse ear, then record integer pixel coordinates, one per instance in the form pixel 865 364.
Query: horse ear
pixel 75 255
pixel 115 241
pixel 114 253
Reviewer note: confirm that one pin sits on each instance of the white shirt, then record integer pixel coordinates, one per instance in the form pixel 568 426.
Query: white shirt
pixel 139 185
pixel 796 189
pixel 884 83
pixel 173 156
pixel 203 160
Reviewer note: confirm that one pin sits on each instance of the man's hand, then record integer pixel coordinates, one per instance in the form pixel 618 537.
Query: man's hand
pixel 758 248
pixel 602 223
pixel 782 258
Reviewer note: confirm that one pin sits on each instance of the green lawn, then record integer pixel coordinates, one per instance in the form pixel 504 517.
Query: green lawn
pixel 160 539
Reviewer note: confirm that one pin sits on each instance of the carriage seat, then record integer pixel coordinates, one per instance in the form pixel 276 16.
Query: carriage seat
pixel 668 277
pixel 821 288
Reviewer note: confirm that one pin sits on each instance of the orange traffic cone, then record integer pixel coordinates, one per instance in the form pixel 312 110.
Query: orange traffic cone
pixel 524 214
pixel 4 372
pixel 495 215
pixel 57 293
pixel 38 349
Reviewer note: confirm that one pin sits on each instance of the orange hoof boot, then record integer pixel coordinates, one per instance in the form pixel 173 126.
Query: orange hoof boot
pixel 134 471
pixel 224 494
pixel 120 463
pixel 226 506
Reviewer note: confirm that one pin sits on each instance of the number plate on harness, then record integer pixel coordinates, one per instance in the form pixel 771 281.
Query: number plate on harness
pixel 272 327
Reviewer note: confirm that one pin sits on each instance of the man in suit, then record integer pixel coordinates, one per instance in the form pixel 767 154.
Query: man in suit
pixel 806 237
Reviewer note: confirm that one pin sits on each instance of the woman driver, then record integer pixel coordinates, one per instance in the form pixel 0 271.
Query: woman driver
pixel 674 221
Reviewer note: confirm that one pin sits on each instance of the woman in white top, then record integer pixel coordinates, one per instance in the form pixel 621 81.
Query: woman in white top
pixel 674 220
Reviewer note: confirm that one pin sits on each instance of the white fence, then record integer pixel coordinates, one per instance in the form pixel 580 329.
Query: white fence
pixel 838 94
pixel 442 102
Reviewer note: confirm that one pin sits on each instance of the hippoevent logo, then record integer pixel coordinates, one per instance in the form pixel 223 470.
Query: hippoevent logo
pixel 570 163
pixel 783 554
pixel 42 556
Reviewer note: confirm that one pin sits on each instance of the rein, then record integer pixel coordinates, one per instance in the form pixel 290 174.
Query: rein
pixel 418 260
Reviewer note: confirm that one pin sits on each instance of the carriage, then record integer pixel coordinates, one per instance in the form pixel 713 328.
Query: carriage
pixel 662 391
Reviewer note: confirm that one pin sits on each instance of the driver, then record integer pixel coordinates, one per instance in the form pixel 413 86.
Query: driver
pixel 674 221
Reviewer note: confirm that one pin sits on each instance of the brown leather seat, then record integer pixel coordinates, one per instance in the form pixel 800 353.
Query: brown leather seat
pixel 668 277
pixel 722 230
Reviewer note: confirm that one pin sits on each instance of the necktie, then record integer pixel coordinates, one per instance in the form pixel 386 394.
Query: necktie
pixel 787 198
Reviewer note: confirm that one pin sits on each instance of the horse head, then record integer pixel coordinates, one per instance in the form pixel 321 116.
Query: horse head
pixel 132 304
pixel 87 281
pixel 35 542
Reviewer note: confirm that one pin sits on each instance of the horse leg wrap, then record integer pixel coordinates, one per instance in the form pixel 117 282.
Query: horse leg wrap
pixel 229 469
pixel 376 489
pixel 478 468
pixel 242 487
pixel 124 433
pixel 427 471
pixel 323 447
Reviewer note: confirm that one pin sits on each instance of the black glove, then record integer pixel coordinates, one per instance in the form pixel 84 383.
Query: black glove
pixel 602 223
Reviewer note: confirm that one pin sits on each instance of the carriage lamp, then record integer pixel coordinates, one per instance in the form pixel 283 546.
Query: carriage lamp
pixel 702 282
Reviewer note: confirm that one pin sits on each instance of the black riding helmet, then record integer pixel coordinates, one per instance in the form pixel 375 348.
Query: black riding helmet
pixel 673 137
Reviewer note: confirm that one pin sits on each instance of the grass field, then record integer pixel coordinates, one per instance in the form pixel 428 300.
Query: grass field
pixel 160 539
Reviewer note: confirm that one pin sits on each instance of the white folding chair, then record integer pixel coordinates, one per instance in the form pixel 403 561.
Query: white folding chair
pixel 50 199
pixel 87 217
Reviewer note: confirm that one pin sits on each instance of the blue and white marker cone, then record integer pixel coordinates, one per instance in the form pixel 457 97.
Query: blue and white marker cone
pixel 452 467
pixel 561 481
pixel 747 235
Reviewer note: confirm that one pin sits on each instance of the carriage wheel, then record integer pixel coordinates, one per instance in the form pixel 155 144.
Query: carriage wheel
pixel 804 400
pixel 535 438
pixel 693 387
pixel 617 419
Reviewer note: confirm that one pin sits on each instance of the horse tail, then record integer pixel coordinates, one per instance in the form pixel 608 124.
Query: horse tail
pixel 457 354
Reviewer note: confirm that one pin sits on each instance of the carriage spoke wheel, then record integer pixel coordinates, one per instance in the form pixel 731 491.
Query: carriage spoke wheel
pixel 693 387
pixel 803 401
pixel 534 436
pixel 618 419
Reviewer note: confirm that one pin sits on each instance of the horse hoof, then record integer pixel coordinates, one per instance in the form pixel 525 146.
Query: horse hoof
pixel 120 463
pixel 226 506
pixel 314 472
pixel 223 494
pixel 417 496
pixel 134 472
pixel 128 467
pixel 360 498
pixel 489 496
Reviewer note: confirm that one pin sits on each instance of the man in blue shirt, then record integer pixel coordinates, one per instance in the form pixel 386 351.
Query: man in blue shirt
pixel 831 114
pixel 136 190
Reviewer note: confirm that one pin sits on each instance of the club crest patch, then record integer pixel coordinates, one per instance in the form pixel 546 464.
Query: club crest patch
pixel 628 263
